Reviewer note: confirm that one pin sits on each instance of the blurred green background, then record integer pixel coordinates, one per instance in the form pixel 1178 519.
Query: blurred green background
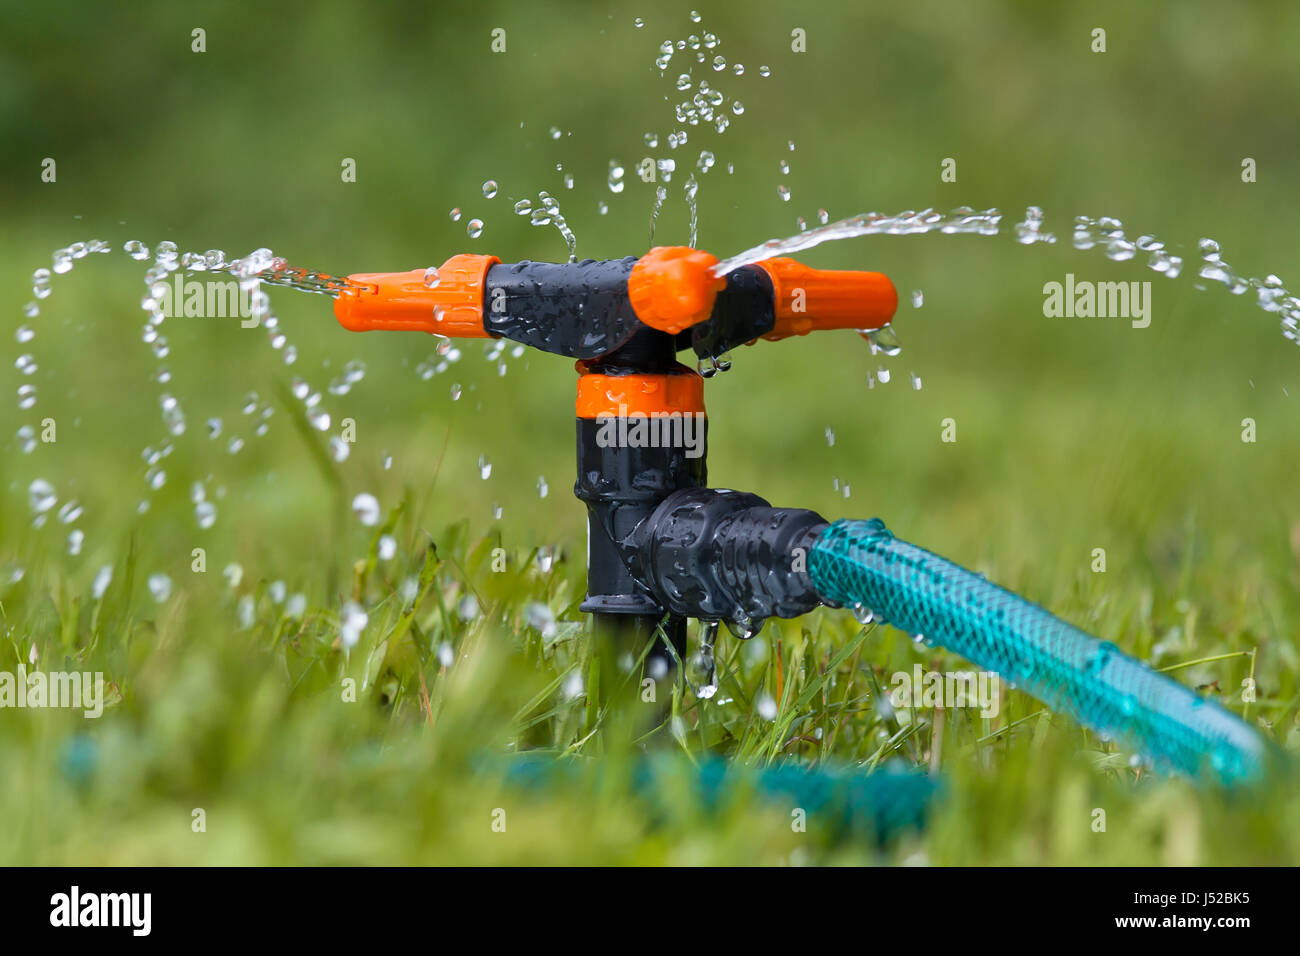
pixel 1072 434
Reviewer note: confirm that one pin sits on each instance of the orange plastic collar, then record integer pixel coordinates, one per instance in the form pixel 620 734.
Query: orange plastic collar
pixel 601 395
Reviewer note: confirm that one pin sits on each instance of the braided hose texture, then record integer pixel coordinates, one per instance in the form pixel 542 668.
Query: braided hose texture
pixel 860 563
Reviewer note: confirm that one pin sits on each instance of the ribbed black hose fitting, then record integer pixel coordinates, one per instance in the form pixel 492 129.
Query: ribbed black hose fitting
pixel 727 555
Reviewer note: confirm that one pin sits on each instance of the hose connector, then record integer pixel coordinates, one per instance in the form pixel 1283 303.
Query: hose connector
pixel 729 556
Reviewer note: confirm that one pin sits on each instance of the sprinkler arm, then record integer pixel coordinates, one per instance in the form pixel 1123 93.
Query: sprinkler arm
pixel 589 309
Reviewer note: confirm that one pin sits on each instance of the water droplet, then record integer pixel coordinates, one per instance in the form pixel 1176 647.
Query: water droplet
pixel 455 214
pixel 1119 250
pixel 431 278
pixel 701 668
pixel 352 621
pixel 160 586
pixel 573 686
pixel 541 618
pixel 41 496
pixel 366 508
pixel 1031 230
pixel 489 189
pixel 474 228
pixel 103 578
pixel 884 339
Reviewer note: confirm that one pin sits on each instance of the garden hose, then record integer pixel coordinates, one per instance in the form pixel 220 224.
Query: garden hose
pixel 860 563
pixel 834 801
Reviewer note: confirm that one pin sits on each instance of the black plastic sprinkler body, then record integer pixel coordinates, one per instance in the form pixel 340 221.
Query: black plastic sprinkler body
pixel 663 547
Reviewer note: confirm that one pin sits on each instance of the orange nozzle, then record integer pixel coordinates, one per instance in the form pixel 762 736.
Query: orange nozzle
pixel 450 304
pixel 807 299
pixel 672 288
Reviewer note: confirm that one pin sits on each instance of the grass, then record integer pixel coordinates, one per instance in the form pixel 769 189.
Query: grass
pixel 220 700
pixel 1072 435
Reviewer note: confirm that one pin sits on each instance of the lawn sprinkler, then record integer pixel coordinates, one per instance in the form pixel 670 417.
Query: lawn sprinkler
pixel 663 547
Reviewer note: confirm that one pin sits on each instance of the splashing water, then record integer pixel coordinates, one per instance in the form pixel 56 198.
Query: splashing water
pixel 167 268
pixel 698 102
pixel 1106 233
pixel 962 220
pixel 167 262
pixel 692 187
pixel 701 668
pixel 661 193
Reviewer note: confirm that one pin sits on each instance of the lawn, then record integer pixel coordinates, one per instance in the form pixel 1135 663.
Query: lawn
pixel 241 724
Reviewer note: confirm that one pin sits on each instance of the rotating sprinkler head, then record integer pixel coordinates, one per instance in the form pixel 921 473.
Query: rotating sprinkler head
pixel 669 299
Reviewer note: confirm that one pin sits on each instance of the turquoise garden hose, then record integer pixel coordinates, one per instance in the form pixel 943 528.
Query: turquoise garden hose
pixel 878 806
pixel 860 563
